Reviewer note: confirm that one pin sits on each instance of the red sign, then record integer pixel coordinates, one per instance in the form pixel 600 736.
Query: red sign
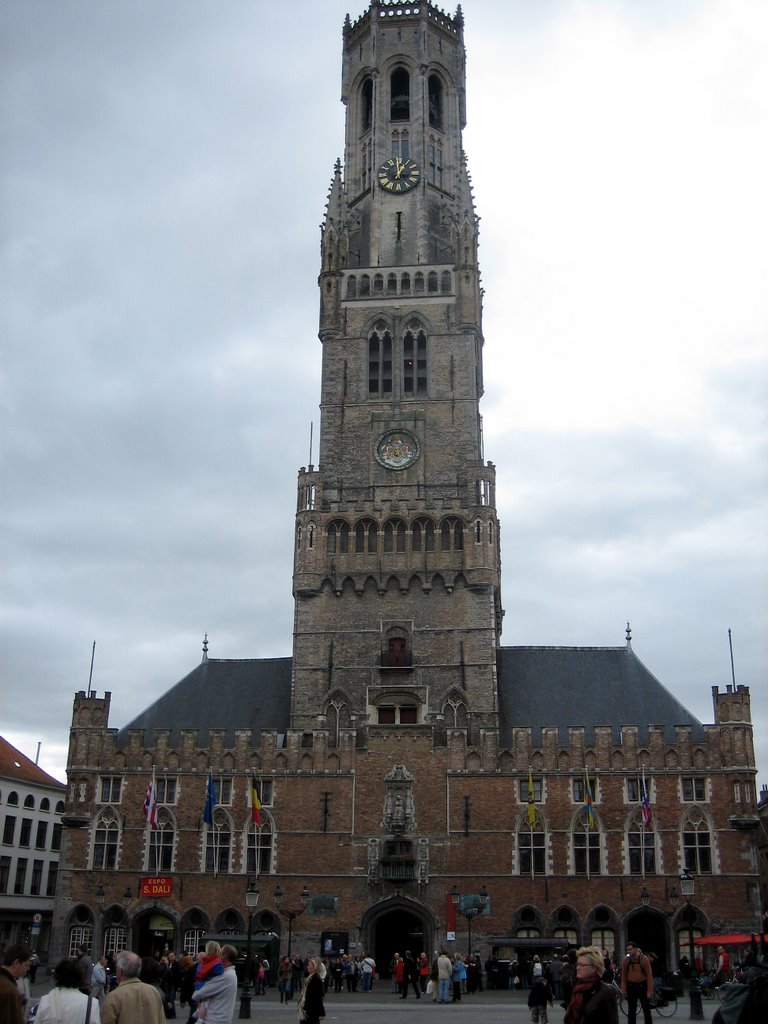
pixel 156 886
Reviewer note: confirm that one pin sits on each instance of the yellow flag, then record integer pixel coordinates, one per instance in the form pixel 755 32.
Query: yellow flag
pixel 531 801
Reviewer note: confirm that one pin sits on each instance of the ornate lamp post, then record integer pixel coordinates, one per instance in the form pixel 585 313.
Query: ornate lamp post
pixel 688 914
pixel 292 914
pixel 469 912
pixel 251 901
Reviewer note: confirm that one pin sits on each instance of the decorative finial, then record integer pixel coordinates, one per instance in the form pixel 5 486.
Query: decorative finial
pixel 629 637
pixel 205 648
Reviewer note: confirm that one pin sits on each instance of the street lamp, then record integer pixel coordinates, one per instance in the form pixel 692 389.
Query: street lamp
pixel 477 907
pixel 292 914
pixel 251 901
pixel 100 896
pixel 688 914
pixel 645 897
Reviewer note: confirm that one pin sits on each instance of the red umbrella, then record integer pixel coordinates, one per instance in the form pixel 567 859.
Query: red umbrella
pixel 738 939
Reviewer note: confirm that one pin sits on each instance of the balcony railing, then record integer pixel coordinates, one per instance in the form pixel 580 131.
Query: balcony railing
pixel 399 870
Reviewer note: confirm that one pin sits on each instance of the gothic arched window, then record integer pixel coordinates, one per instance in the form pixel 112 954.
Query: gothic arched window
pixel 641 846
pixel 394 535
pixel 435 93
pixel 697 842
pixel 161 843
pixel 366 537
pixel 106 840
pixel 531 846
pixel 586 846
pixel 218 844
pixel 260 846
pixel 400 95
pixel 380 360
pixel 414 360
pixel 366 105
pixel 423 535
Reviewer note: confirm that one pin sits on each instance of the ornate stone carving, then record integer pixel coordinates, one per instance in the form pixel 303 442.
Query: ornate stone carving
pixel 399 810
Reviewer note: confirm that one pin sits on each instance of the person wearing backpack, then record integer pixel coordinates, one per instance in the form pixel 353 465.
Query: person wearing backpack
pixel 637 983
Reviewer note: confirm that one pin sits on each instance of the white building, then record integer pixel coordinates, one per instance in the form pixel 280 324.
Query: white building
pixel 31 805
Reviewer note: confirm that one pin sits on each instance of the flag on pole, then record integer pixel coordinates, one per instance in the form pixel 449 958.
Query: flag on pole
pixel 588 801
pixel 645 805
pixel 150 803
pixel 255 802
pixel 531 801
pixel 210 799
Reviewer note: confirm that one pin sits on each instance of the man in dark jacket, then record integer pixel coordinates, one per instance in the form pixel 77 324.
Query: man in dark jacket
pixel 16 961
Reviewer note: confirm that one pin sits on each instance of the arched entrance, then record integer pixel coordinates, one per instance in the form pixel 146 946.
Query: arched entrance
pixel 650 931
pixel 153 933
pixel 394 925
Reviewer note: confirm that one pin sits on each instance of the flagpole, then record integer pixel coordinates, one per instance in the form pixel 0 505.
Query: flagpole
pixel 642 828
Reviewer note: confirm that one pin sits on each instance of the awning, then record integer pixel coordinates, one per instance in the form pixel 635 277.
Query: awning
pixel 737 939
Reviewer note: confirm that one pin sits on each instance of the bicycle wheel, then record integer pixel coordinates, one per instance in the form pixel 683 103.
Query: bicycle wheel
pixel 667 1008
pixel 623 1005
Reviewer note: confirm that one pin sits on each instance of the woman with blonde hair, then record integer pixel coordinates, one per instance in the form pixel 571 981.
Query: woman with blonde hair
pixel 592 1001
pixel 311 1007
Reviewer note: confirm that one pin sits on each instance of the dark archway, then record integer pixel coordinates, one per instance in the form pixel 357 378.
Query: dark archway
pixel 649 930
pixel 394 932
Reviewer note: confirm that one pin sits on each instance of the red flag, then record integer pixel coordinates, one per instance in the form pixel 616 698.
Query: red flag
pixel 645 805
pixel 150 804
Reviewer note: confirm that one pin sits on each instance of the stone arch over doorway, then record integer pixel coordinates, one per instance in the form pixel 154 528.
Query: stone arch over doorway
pixel 393 925
pixel 650 930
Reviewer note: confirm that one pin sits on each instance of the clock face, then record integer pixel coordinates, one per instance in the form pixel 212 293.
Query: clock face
pixel 397 449
pixel 396 175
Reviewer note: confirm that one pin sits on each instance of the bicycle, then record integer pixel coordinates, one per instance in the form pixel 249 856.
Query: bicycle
pixel 665 1003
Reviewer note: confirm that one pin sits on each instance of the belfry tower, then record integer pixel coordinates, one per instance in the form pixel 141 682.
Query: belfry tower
pixel 397 568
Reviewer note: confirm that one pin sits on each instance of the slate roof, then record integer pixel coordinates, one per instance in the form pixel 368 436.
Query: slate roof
pixel 538 686
pixel 584 686
pixel 17 767
pixel 251 693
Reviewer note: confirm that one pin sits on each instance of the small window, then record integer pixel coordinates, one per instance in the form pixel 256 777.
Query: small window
pixel 9 829
pixel 225 791
pixel 694 789
pixel 45 804
pixel 166 791
pixel 408 715
pixel 13 798
pixel 29 802
pixel 42 835
pixel 111 787
pixel 537 790
pixel 25 834
pixel 633 791
pixel 387 715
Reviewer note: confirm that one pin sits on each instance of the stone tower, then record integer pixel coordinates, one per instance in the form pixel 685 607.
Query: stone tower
pixel 397 569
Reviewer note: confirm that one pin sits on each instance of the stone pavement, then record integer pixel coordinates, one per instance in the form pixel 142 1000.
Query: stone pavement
pixel 501 1007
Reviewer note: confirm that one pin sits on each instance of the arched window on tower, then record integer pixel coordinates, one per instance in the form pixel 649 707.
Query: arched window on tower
pixel 380 360
pixel 423 535
pixel 366 105
pixel 400 96
pixel 394 535
pixel 435 93
pixel 414 360
pixel 366 537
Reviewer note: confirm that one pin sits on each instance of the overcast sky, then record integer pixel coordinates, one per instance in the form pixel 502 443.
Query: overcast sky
pixel 165 169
